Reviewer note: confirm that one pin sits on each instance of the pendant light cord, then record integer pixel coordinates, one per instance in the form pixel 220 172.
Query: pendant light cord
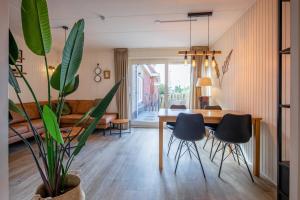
pixel 208 31
pixel 190 33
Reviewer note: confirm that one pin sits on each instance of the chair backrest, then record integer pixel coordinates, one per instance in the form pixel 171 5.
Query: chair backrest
pixel 216 107
pixel 235 128
pixel 189 127
pixel 177 106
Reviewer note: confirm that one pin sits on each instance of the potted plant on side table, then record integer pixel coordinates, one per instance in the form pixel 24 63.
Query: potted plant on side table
pixel 50 155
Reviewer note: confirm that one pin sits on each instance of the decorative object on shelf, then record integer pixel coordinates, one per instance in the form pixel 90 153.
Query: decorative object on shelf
pixel 20 57
pixel 17 69
pixel 194 53
pixel 17 66
pixel 225 68
pixel 98 74
pixel 106 74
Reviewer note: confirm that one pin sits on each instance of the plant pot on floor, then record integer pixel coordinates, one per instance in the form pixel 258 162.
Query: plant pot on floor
pixel 74 192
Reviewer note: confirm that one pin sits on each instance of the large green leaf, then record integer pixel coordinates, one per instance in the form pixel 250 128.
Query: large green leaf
pixel 36 27
pixel 72 86
pixel 13 49
pixel 14 108
pixel 55 78
pixel 72 54
pixel 69 88
pixel 102 105
pixel 52 125
pixel 13 81
pixel 97 113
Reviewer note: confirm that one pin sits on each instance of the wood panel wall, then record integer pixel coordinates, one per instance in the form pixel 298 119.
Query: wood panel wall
pixel 250 85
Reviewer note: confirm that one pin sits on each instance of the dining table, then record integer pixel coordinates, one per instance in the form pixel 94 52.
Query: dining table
pixel 210 117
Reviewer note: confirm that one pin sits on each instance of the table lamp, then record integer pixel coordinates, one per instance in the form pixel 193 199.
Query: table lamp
pixel 204 82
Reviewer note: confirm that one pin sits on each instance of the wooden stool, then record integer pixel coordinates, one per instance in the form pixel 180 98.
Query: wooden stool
pixel 119 123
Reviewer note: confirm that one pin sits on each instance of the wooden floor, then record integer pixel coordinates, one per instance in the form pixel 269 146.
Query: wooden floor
pixel 114 168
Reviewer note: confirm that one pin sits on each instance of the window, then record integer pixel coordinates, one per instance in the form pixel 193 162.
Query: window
pixel 140 90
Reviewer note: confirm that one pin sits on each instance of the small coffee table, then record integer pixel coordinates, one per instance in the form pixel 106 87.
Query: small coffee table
pixel 69 134
pixel 119 123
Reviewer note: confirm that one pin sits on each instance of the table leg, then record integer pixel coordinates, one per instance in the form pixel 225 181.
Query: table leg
pixel 161 129
pixel 256 149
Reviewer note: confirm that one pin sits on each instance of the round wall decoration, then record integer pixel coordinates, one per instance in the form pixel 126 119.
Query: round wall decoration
pixel 98 74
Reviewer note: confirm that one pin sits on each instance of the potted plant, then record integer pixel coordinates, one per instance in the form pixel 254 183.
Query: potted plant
pixel 50 157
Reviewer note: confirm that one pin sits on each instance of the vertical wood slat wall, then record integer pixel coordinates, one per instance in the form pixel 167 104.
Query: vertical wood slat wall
pixel 250 85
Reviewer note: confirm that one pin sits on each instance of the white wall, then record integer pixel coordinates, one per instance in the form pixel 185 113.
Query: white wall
pixel 251 82
pixel 3 100
pixel 88 88
pixel 295 111
pixel 34 66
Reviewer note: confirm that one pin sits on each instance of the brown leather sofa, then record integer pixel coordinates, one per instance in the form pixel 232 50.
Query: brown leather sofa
pixel 77 109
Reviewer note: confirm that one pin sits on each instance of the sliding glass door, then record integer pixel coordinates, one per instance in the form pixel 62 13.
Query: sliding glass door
pixel 156 85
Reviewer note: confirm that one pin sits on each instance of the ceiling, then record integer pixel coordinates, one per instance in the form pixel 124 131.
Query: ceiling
pixel 131 23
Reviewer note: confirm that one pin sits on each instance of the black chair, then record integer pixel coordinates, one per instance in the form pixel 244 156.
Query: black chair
pixel 171 125
pixel 211 129
pixel 234 130
pixel 189 128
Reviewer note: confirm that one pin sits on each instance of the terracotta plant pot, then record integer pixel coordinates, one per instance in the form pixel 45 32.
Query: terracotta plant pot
pixel 72 181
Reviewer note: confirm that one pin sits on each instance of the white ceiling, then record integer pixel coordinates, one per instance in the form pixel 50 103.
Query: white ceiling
pixel 130 23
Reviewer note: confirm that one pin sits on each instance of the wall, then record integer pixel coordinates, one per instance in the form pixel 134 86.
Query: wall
pixel 3 100
pixel 88 88
pixel 295 96
pixel 34 66
pixel 250 84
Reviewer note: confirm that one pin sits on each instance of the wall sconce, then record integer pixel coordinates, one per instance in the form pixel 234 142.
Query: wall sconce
pixel 51 68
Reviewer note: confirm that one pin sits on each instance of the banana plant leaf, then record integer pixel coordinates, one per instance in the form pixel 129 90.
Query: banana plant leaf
pixel 13 49
pixel 72 54
pixel 13 81
pixel 97 113
pixel 52 125
pixel 36 26
pixel 14 108
pixel 69 88
pixel 72 86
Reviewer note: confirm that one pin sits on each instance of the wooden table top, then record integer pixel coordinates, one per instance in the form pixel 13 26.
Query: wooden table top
pixel 210 116
pixel 120 121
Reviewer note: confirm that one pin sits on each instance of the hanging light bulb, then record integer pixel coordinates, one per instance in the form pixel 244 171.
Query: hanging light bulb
pixel 213 62
pixel 206 61
pixel 194 59
pixel 185 58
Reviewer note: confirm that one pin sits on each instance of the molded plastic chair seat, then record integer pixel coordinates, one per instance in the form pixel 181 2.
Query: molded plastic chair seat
pixel 171 125
pixel 189 128
pixel 235 130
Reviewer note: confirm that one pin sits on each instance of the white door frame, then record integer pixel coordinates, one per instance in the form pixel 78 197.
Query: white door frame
pixel 166 62
pixel 4 22
pixel 295 98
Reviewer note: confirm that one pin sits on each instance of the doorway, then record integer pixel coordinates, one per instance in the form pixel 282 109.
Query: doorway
pixel 156 85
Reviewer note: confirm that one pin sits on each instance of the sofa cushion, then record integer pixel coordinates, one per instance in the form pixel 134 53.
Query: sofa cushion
pixel 73 118
pixel 37 123
pixel 19 127
pixel 31 110
pixel 70 119
pixel 84 106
